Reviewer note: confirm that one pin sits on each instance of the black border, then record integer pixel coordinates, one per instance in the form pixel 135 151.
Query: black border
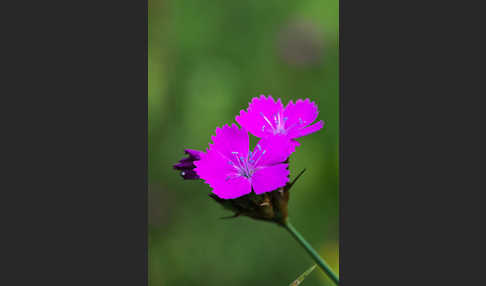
pixel 407 114
pixel 76 155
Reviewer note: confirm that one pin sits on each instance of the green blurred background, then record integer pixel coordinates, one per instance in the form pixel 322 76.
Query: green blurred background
pixel 206 60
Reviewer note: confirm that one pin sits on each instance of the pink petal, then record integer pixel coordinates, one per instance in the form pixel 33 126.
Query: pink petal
pixel 229 140
pixel 293 144
pixel 270 178
pixel 232 189
pixel 216 166
pixel 273 150
pixel 213 167
pixel 222 177
pixel 299 114
pixel 310 129
pixel 259 119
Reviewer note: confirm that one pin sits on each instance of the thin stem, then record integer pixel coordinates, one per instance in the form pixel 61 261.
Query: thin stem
pixel 311 251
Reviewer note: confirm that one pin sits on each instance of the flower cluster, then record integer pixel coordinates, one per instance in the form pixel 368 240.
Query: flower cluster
pixel 254 182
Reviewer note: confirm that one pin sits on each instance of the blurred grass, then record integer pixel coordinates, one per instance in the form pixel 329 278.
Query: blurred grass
pixel 207 59
pixel 304 275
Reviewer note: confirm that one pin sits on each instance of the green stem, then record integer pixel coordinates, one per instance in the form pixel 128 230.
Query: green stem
pixel 311 251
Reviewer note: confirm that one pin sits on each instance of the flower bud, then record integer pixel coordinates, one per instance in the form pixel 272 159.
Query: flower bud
pixel 186 165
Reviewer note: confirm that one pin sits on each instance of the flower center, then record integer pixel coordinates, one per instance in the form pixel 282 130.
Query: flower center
pixel 245 167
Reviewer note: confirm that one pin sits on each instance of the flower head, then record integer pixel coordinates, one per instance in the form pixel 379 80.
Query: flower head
pixel 266 117
pixel 272 206
pixel 186 165
pixel 233 171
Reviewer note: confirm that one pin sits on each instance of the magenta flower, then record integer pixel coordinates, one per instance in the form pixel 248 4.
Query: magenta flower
pixel 233 171
pixel 186 165
pixel 266 117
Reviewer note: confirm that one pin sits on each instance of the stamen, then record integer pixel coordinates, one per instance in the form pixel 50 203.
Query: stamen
pixel 238 161
pixel 251 159
pixel 230 177
pixel 281 125
pixel 301 122
pixel 268 121
pixel 247 168
pixel 259 157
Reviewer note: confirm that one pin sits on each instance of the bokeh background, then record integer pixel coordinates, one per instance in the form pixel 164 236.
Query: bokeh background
pixel 207 59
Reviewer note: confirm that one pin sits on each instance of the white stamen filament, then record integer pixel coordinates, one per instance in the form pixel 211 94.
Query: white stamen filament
pixel 245 167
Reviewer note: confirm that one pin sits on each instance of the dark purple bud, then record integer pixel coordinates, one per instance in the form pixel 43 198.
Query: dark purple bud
pixel 186 165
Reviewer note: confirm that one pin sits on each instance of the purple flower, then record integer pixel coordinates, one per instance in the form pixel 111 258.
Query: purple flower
pixel 266 117
pixel 233 171
pixel 186 165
